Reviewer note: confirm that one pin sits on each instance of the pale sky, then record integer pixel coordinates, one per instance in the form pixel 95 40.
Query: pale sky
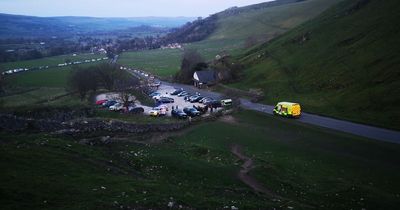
pixel 120 8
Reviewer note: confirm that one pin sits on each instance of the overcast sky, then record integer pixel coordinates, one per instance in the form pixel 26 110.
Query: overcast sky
pixel 120 8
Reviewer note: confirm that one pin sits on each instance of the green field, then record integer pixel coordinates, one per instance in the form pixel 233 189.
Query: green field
pixel 52 77
pixel 306 167
pixel 47 87
pixel 48 61
pixel 160 62
pixel 47 83
pixel 341 64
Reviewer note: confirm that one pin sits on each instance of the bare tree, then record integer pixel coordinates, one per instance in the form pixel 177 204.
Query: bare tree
pixel 107 75
pixel 125 85
pixel 191 61
pixel 83 81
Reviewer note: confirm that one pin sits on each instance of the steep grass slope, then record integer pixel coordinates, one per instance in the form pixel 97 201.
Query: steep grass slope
pixel 263 22
pixel 344 63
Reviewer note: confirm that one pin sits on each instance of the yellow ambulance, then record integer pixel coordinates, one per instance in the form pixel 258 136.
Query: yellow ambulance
pixel 287 109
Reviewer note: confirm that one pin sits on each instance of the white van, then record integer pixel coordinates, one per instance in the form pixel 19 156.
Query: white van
pixel 226 102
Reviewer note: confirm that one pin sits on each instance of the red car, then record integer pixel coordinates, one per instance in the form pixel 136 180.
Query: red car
pixel 100 102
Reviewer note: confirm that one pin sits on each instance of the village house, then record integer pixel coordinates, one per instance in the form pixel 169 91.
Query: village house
pixel 204 79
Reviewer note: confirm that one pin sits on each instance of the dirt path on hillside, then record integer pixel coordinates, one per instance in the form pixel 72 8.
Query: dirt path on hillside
pixel 247 166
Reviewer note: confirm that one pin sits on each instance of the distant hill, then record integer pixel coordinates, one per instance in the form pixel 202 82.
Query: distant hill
pixel 13 26
pixel 344 63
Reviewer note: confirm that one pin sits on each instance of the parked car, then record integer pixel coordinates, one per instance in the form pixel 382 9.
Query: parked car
pixel 154 94
pixel 187 97
pixel 164 107
pixel 154 113
pixel 178 114
pixel 166 100
pixel 214 104
pixel 202 110
pixel 206 100
pixel 101 102
pixel 183 93
pixel 195 99
pixel 158 97
pixel 116 107
pixel 109 103
pixel 136 110
pixel 158 111
pixel 191 111
pixel 176 92
pixel 155 84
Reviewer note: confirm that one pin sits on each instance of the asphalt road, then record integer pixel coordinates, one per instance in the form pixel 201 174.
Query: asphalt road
pixel 367 131
pixel 335 124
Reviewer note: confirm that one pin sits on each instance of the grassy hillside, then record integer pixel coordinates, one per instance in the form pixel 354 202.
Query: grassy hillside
pixel 309 168
pixel 343 63
pixel 266 23
pixel 233 27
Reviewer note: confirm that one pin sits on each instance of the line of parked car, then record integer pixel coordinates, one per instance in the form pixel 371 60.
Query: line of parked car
pixel 197 98
pixel 114 105
pixel 18 70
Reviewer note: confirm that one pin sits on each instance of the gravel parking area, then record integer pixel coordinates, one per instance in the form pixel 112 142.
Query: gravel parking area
pixel 164 90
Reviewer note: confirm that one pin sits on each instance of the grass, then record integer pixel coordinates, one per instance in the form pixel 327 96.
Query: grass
pixel 340 69
pixel 139 118
pixel 160 62
pixel 267 23
pixel 305 165
pixel 56 77
pixel 48 61
pixel 31 97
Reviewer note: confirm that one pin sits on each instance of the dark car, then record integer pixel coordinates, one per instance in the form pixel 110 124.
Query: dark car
pixel 202 110
pixel 176 92
pixel 195 99
pixel 187 97
pixel 109 103
pixel 205 100
pixel 183 93
pixel 154 94
pixel 136 110
pixel 214 104
pixel 166 100
pixel 178 114
pixel 191 111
